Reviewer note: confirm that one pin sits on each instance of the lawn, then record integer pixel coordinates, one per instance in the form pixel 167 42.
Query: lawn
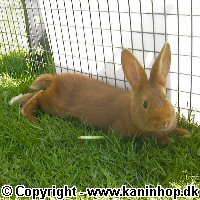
pixel 50 153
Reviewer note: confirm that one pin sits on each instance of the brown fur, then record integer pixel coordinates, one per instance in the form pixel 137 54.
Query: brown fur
pixel 42 83
pixel 104 106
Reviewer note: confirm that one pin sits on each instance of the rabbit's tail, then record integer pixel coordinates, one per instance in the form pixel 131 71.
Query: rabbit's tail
pixel 42 82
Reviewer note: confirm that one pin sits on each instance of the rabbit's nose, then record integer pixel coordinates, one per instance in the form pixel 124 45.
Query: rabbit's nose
pixel 166 124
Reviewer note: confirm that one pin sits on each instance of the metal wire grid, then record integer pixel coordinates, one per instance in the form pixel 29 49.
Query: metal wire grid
pixel 16 34
pixel 11 23
pixel 57 10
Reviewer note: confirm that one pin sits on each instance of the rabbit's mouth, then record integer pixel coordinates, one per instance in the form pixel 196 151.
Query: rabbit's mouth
pixel 167 125
pixel 164 126
pixel 165 129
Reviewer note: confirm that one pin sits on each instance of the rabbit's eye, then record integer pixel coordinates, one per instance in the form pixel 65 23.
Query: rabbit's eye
pixel 145 104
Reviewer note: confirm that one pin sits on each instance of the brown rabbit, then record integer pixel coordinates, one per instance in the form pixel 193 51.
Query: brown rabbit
pixel 145 111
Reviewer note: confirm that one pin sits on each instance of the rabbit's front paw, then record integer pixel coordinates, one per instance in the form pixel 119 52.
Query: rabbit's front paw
pixel 164 139
pixel 183 132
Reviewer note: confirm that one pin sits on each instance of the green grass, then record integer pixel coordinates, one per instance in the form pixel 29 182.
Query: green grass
pixel 23 65
pixel 50 153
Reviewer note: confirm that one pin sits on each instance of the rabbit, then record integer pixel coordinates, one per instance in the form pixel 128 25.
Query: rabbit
pixel 145 111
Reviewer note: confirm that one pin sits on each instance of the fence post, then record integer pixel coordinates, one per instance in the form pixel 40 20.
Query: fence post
pixel 27 24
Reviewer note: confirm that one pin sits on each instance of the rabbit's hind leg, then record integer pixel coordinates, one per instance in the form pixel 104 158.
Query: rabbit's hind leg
pixel 30 107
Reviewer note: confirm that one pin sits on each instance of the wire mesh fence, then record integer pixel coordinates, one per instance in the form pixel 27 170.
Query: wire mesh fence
pixel 12 23
pixel 88 36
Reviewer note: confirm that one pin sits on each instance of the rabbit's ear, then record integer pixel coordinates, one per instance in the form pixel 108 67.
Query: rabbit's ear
pixel 133 70
pixel 161 66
